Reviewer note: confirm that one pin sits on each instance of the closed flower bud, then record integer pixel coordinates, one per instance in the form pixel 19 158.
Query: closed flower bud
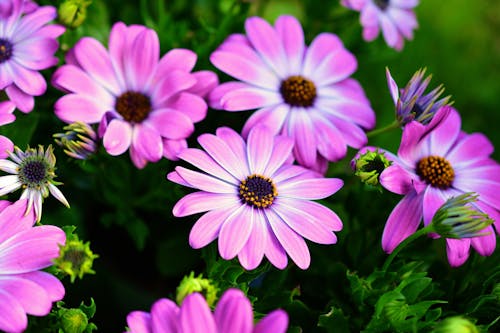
pixel 456 218
pixel 73 320
pixel 79 140
pixel 455 325
pixel 72 13
pixel 75 258
pixel 191 284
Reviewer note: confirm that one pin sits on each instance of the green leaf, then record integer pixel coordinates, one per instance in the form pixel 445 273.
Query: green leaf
pixel 334 321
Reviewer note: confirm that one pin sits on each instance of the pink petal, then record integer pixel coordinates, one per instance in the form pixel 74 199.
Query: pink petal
pixel 389 30
pixel 30 250
pixel 14 220
pixel 291 34
pixel 249 98
pixel 195 316
pixel 290 172
pixel 172 83
pixel 207 228
pixel 252 253
pixel 300 128
pixel 260 144
pixel 235 232
pixel 307 228
pixel 24 102
pixel 176 59
pixel 190 105
pixel 315 213
pixel 393 87
pixel 267 43
pixel 274 251
pixel 272 117
pixel 5 146
pixel 176 178
pixel 12 316
pixel 71 78
pixel 95 60
pixel 310 189
pixel 330 141
pixel 275 322
pixel 118 137
pixel 215 96
pixel 198 202
pixel 335 67
pixel 30 295
pixel 234 313
pixel 204 162
pixel 321 47
pixel 445 134
pixel 36 53
pixel 52 285
pixel 206 81
pixel 172 148
pixel 171 124
pixel 205 182
pixel 141 61
pixel 34 21
pixel 471 148
pixel 293 244
pixel 219 150
pixel 352 134
pixel 139 322
pixel 485 245
pixel 281 153
pixel 147 141
pixel 355 111
pixel 73 107
pixel 433 199
pixel 164 315
pixel 457 251
pixel 402 222
pixel 236 144
pixel 396 179
pixel 487 190
pixel 137 157
pixel 29 81
pixel 242 69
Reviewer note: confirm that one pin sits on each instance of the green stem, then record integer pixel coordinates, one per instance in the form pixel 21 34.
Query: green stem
pixel 404 243
pixel 387 128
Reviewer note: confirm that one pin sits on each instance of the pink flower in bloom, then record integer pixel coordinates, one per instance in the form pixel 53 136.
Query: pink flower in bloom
pixel 24 251
pixel 257 204
pixel 434 163
pixel 27 45
pixel 395 17
pixel 142 102
pixel 233 314
pixel 301 92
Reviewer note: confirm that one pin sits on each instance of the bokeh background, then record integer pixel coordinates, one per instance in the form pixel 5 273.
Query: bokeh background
pixel 126 213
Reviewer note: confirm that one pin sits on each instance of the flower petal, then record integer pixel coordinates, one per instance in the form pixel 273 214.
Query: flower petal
pixel 275 322
pixel 198 202
pixel 291 34
pixel 457 251
pixel 164 314
pixel 205 182
pixel 310 189
pixel 12 315
pixel 195 316
pixel 171 124
pixel 139 322
pixel 252 253
pixel 207 228
pixel 234 313
pixel 118 137
pixel 235 232
pixel 260 144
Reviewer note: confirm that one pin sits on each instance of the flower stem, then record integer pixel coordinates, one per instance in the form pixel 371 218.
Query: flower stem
pixel 387 128
pixel 404 243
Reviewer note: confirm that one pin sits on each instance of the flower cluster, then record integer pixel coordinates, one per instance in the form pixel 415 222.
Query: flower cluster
pixel 254 191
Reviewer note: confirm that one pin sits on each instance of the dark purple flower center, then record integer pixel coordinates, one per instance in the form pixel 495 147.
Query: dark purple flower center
pixel 382 4
pixel 257 191
pixel 33 173
pixel 436 171
pixel 5 50
pixel 298 91
pixel 133 106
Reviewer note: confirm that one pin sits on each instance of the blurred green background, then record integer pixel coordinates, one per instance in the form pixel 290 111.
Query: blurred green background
pixel 126 213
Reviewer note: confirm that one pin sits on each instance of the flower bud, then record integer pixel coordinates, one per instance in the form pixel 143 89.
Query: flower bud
pixel 79 140
pixel 369 165
pixel 72 13
pixel 73 320
pixel 191 284
pixel 456 218
pixel 455 325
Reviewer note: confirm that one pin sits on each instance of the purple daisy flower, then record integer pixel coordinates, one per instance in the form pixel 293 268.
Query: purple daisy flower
pixel 395 17
pixel 435 163
pixel 233 314
pixel 412 104
pixel 302 92
pixel 257 203
pixel 142 102
pixel 24 251
pixel 27 45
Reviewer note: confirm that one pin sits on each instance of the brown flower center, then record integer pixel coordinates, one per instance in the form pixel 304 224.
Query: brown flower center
pixel 436 171
pixel 133 106
pixel 5 50
pixel 298 91
pixel 257 191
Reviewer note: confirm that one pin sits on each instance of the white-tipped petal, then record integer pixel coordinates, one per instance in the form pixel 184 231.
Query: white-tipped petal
pixel 8 166
pixel 11 184
pixel 37 203
pixel 58 195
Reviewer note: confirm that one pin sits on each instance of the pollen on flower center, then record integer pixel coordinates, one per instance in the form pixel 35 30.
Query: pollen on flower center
pixel 298 91
pixel 257 191
pixel 436 171
pixel 33 173
pixel 382 4
pixel 5 50
pixel 133 106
